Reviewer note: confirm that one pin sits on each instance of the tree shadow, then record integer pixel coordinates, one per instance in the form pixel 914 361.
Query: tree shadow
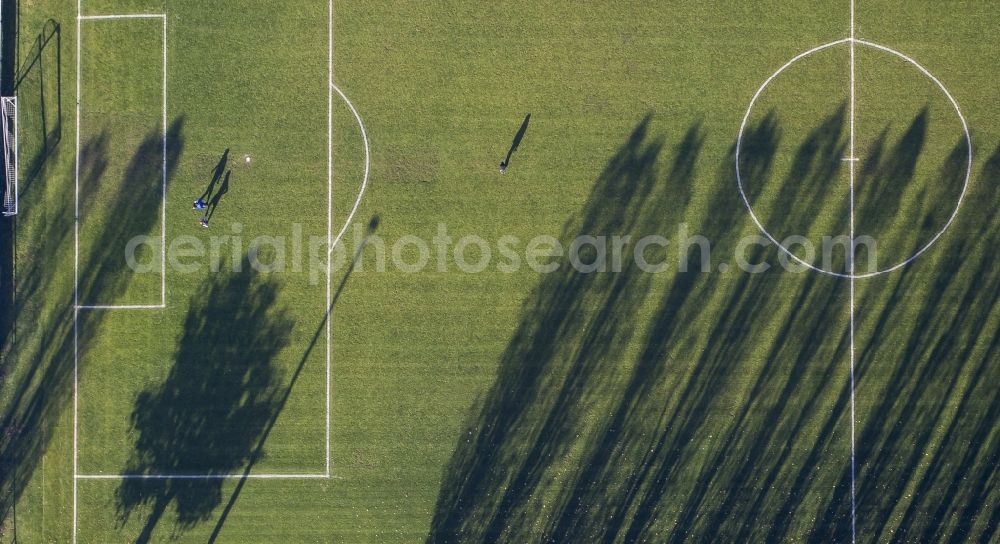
pixel 721 414
pixel 816 166
pixel 571 323
pixel 208 415
pixel 139 202
pixel 912 486
pixel 881 187
pixel 258 451
pixel 43 362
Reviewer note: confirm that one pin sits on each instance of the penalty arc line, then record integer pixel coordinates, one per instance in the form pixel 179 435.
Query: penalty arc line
pixel 364 181
pixel 333 241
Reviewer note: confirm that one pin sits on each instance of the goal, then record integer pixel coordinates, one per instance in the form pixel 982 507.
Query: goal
pixel 8 112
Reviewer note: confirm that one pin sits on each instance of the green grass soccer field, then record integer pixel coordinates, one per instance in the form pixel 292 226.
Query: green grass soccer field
pixel 404 271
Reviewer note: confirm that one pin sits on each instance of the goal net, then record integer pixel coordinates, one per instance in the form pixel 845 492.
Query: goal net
pixel 8 111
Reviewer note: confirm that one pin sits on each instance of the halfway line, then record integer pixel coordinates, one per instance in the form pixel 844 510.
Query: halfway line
pixel 851 270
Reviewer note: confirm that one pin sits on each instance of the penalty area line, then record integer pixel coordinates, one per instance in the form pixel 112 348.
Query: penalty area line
pixel 304 476
pixel 122 16
pixel 131 307
pixel 77 307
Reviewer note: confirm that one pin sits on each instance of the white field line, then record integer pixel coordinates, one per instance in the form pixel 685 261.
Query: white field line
pixel 739 149
pixel 76 272
pixel 932 77
pixel 302 476
pixel 329 223
pixel 123 16
pixel 77 307
pixel 128 307
pixel 851 274
pixel 163 180
pixel 364 181
pixel 163 190
pixel 968 142
pixel 332 243
pixel 851 271
pixel 76 410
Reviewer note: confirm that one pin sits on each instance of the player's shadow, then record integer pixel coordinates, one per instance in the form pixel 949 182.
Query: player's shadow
pixel 213 204
pixel 217 172
pixel 516 142
pixel 209 414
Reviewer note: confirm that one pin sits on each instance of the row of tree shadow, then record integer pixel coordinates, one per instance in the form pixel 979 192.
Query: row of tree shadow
pixel 221 397
pixel 43 341
pixel 723 413
pixel 38 81
pixel 673 434
pixel 8 53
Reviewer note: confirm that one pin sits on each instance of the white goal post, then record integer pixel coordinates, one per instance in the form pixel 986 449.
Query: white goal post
pixel 8 112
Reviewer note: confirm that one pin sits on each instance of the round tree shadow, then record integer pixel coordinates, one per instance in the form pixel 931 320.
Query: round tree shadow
pixel 207 417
